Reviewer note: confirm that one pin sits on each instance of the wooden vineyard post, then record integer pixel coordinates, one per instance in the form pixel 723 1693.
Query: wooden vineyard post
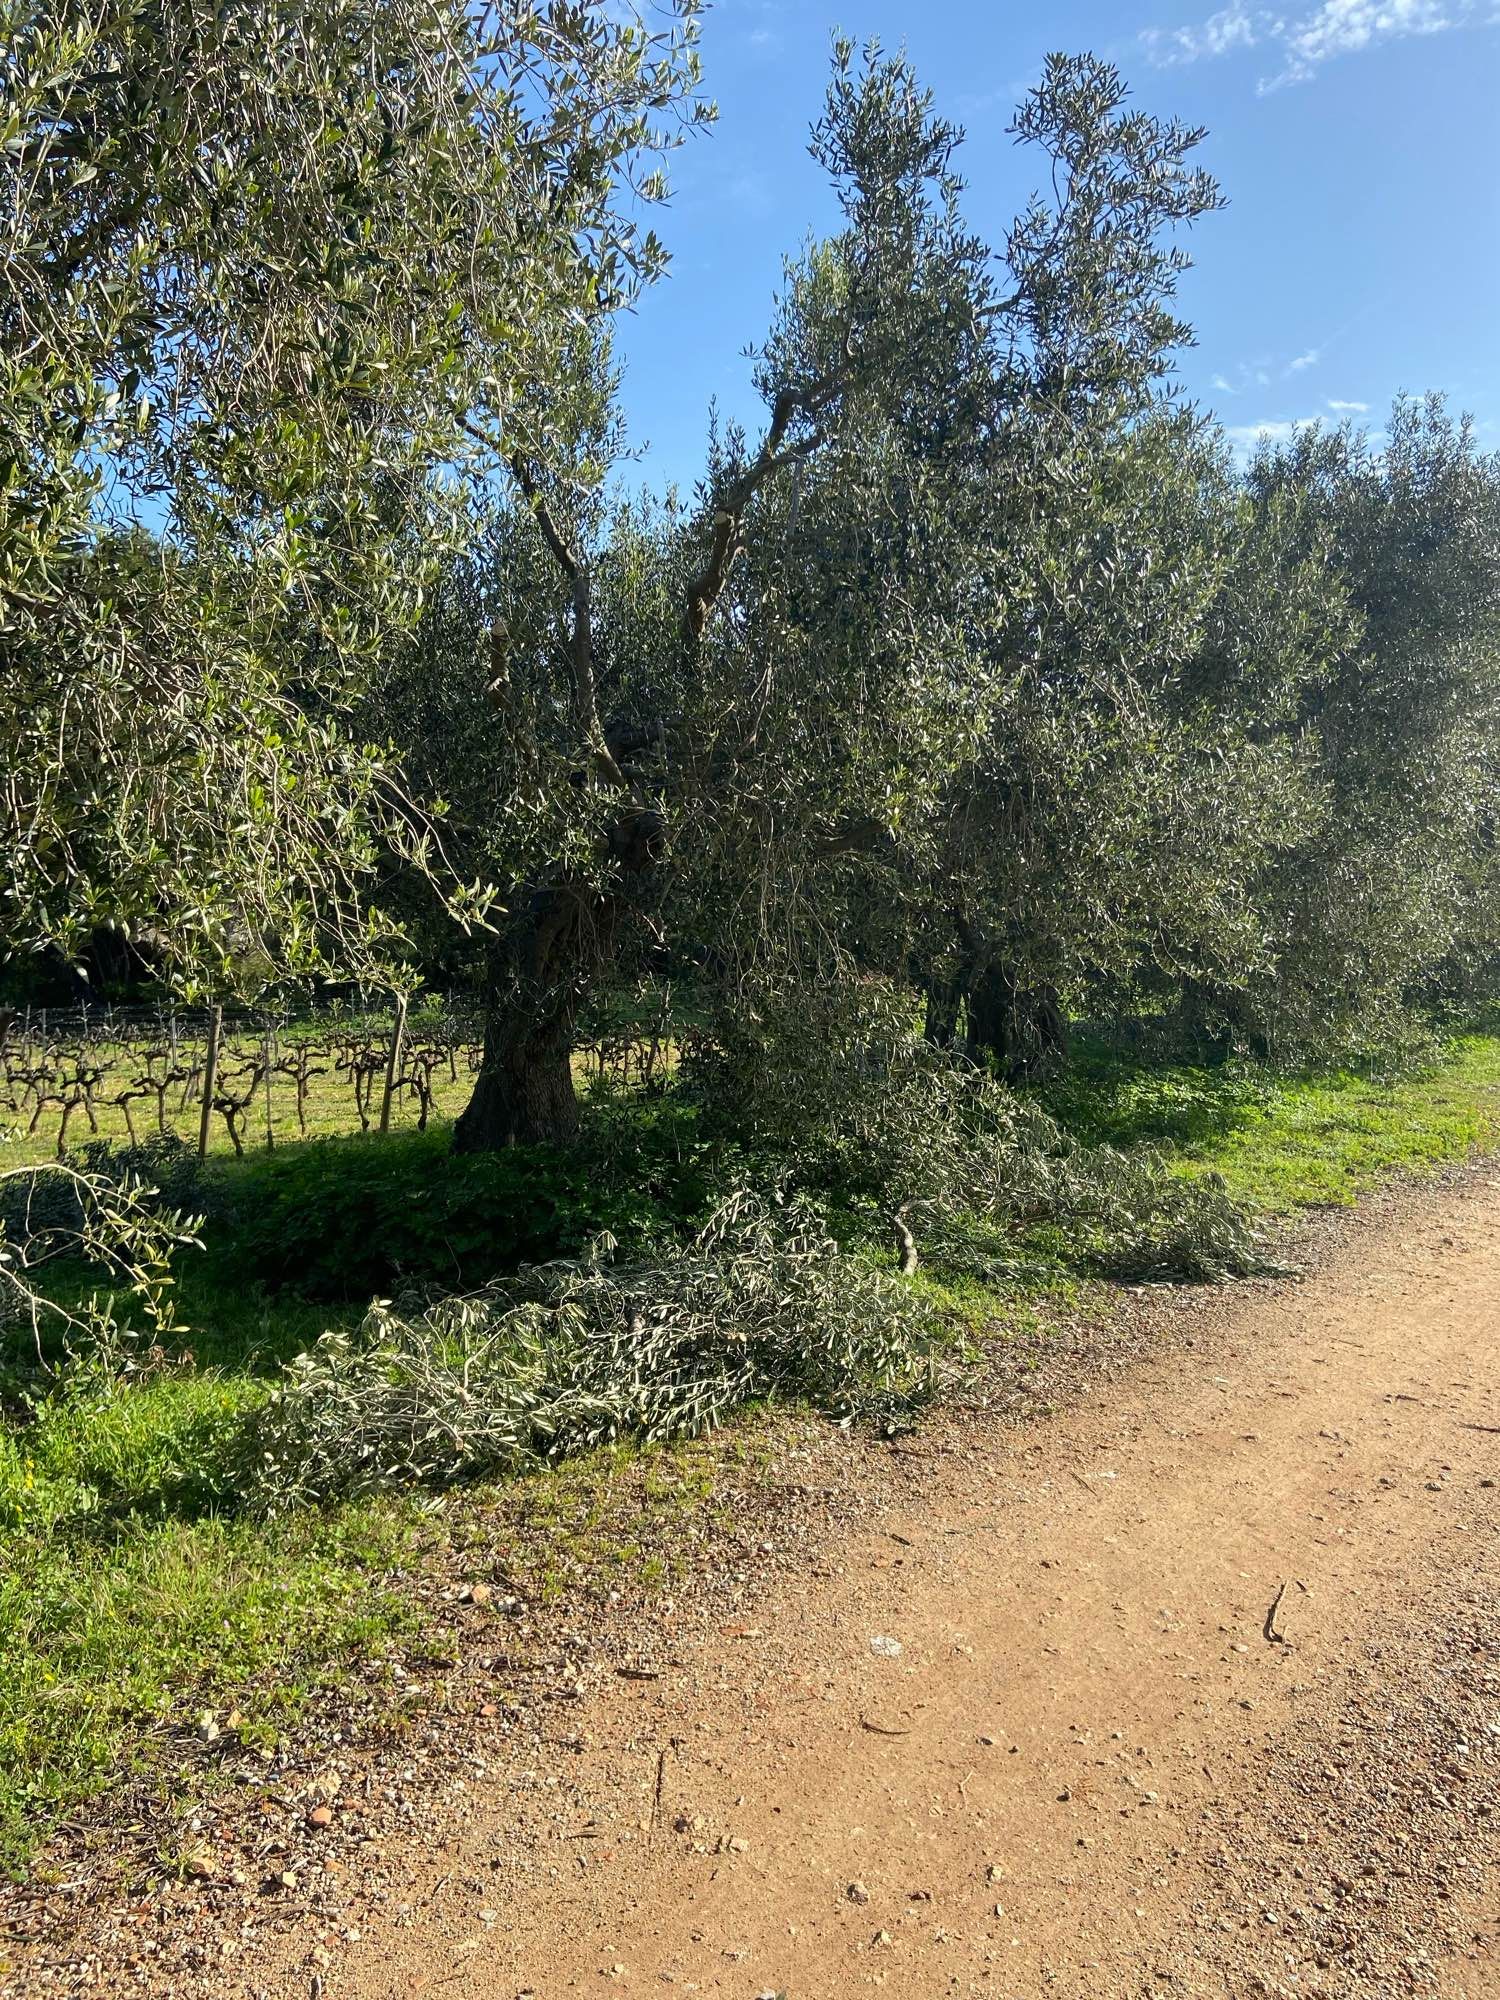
pixel 210 1078
pixel 393 1066
pixel 268 1057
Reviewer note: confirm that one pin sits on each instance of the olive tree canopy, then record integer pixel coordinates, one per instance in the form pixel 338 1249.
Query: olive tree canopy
pixel 264 273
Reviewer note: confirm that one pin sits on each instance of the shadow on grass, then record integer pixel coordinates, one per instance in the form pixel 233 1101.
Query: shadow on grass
pixel 1113 1096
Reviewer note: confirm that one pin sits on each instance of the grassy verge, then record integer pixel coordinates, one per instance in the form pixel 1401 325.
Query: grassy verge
pixel 1283 1143
pixel 134 1595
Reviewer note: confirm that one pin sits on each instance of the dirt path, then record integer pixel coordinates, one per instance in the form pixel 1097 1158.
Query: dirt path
pixel 1197 1692
pixel 1192 1688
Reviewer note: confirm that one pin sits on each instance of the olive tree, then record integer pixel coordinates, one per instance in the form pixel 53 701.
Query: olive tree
pixel 1396 876
pixel 605 707
pixel 264 273
pixel 974 611
pixel 1135 782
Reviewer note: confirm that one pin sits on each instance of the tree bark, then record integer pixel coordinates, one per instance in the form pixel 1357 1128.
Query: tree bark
pixel 944 1006
pixel 561 939
pixel 524 1092
pixel 1021 1029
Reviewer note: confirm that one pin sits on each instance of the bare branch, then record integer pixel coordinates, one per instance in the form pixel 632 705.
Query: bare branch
pixel 552 535
pixel 581 637
pixel 792 400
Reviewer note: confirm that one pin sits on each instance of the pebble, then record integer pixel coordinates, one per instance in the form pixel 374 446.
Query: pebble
pixel 857 1893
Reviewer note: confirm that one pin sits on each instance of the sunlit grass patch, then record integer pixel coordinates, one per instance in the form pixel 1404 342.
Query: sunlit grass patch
pixel 1287 1142
pixel 112 1632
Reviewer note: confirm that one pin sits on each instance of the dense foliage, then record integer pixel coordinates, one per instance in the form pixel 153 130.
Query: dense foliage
pixel 985 675
pixel 271 282
pixel 976 718
pixel 979 692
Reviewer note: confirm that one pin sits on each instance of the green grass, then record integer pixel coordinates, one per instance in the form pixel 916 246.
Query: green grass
pixel 1283 1143
pixel 134 1595
pixel 329 1107
pixel 128 1604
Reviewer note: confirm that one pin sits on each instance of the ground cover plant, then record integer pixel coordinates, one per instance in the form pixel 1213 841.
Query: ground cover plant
pixel 1283 1139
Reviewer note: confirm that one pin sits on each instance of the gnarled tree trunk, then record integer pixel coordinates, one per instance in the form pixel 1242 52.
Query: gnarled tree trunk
pixel 1021 1029
pixel 563 935
pixel 524 1092
pixel 539 970
pixel 561 938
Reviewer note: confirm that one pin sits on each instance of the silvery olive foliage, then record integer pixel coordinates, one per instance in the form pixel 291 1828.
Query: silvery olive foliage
pixel 1390 896
pixel 836 1093
pixel 762 1304
pixel 974 688
pixel 273 284
pixel 112 1213
pixel 796 724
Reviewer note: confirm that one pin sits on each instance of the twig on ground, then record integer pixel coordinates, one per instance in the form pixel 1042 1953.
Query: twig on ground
pixel 656 1791
pixel 1269 1628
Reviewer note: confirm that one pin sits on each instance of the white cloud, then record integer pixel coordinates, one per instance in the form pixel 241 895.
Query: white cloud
pixel 1346 409
pixel 1342 27
pixel 1273 430
pixel 1246 439
pixel 1304 41
pixel 1234 28
pixel 1261 370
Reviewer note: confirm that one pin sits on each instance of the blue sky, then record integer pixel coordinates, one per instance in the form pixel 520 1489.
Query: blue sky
pixel 1358 142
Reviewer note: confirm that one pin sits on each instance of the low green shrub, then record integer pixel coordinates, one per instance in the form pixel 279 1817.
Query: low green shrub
pixel 53 1197
pixel 343 1219
pixel 928 1146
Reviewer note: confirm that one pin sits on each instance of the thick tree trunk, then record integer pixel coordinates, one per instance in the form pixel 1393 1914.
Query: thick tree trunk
pixel 538 973
pixel 1021 1029
pixel 561 938
pixel 524 1092
pixel 944 1005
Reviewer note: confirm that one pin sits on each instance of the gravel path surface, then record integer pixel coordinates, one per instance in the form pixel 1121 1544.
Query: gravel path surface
pixel 1189 1684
